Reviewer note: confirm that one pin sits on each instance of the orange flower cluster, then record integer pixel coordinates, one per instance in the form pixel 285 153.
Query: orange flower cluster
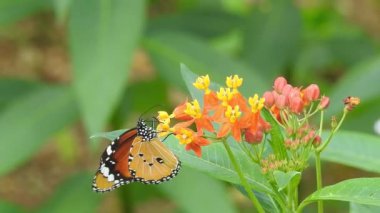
pixel 226 108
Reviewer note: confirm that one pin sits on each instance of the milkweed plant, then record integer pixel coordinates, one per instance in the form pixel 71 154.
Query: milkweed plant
pixel 277 130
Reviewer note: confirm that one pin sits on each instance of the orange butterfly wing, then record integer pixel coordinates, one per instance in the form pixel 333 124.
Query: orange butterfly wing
pixel 152 162
pixel 113 171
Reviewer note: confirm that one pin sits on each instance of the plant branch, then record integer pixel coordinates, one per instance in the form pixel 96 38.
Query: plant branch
pixel 244 182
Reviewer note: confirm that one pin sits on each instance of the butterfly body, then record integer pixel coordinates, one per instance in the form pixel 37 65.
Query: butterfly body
pixel 137 155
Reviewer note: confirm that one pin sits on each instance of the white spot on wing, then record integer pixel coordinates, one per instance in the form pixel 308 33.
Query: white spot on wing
pixel 111 177
pixel 104 170
pixel 109 150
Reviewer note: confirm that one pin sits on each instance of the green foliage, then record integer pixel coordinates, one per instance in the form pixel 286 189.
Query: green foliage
pixel 204 23
pixel 358 208
pixel 191 196
pixel 271 38
pixel 360 190
pixel 28 122
pixel 284 179
pixel 103 36
pixel 169 49
pixel 15 10
pixel 9 208
pixel 74 196
pixel 277 140
pixel 354 149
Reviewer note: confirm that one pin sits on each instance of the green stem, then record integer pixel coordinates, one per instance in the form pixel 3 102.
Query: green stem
pixel 296 196
pixel 290 197
pixel 324 145
pixel 244 182
pixel 321 123
pixel 318 174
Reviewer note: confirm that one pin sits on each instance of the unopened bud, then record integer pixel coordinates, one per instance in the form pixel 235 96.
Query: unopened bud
pixel 296 105
pixel 317 141
pixel 269 99
pixel 312 92
pixel 280 101
pixel 279 84
pixel 325 102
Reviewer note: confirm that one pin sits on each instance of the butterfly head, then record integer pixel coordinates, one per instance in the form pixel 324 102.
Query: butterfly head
pixel 146 132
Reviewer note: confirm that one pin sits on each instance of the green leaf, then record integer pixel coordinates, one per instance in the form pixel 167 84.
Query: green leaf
pixel 103 36
pixel 167 50
pixel 272 37
pixel 354 149
pixel 15 10
pixel 188 192
pixel 10 208
pixel 28 122
pixel 13 89
pixel 133 102
pixel 214 162
pixel 355 83
pixel 284 179
pixel 361 190
pixel 267 201
pixel 358 208
pixel 206 23
pixel 108 135
pixel 75 195
pixel 61 9
pixel 277 140
pixel 189 78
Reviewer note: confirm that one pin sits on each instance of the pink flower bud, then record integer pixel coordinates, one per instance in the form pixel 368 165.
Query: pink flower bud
pixel 325 102
pixel 279 83
pixel 280 101
pixel 294 93
pixel 296 105
pixel 269 99
pixel 254 137
pixel 317 141
pixel 312 92
pixel 286 89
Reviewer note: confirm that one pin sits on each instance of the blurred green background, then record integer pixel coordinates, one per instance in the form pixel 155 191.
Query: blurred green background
pixel 71 68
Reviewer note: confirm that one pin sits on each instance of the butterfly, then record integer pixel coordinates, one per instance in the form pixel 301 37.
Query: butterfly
pixel 137 155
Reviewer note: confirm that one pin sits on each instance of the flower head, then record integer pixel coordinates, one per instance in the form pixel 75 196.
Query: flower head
pixel 191 139
pixel 256 103
pixel 203 83
pixel 164 116
pixel 224 95
pixel 232 113
pixel 193 109
pixel 351 102
pixel 234 82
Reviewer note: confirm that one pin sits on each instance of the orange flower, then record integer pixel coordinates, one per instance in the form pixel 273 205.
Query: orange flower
pixel 211 101
pixel 192 140
pixel 179 112
pixel 196 115
pixel 257 125
pixel 232 123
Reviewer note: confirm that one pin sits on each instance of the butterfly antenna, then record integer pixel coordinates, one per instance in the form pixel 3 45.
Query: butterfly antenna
pixel 148 110
pixel 167 136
